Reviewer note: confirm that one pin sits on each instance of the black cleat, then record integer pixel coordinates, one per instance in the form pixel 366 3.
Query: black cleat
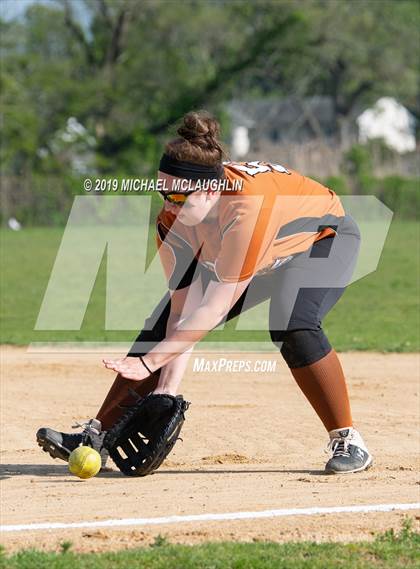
pixel 60 445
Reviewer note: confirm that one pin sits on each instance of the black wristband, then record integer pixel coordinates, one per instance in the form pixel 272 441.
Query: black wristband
pixel 144 363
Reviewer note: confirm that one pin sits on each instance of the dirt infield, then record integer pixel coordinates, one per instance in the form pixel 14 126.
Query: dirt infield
pixel 251 443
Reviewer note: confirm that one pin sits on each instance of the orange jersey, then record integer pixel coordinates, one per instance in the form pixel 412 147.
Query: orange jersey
pixel 276 214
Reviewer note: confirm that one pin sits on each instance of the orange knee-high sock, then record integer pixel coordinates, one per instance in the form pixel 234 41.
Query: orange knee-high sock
pixel 324 385
pixel 120 395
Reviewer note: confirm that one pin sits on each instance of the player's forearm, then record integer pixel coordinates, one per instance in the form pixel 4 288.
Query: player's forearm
pixel 187 333
pixel 171 374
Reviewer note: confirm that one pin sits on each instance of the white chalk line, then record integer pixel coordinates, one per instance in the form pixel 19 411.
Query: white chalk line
pixel 214 517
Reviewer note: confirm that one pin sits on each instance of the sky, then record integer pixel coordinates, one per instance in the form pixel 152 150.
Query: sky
pixel 11 9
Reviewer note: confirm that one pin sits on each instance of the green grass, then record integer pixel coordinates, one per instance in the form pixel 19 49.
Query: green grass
pixel 388 550
pixel 379 312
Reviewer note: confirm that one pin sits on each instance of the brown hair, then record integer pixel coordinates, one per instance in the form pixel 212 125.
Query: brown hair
pixel 198 140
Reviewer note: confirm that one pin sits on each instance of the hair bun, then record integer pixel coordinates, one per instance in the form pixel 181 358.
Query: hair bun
pixel 198 140
pixel 199 125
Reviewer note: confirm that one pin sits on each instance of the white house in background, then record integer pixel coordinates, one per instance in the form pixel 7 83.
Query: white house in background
pixel 392 122
pixel 274 122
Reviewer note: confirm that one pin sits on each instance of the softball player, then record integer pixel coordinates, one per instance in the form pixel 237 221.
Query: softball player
pixel 231 236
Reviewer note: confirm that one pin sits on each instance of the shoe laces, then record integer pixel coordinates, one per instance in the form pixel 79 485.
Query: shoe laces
pixel 339 446
pixel 87 428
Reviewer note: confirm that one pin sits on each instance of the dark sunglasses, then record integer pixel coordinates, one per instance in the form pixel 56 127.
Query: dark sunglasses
pixel 176 198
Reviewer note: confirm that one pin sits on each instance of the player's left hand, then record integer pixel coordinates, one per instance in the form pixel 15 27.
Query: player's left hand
pixel 130 368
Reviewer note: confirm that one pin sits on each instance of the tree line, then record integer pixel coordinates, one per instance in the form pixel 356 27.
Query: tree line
pixel 127 70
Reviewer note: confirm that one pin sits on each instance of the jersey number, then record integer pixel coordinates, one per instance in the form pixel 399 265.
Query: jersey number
pixel 259 167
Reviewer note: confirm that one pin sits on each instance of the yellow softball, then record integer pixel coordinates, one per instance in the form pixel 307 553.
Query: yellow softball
pixel 84 462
